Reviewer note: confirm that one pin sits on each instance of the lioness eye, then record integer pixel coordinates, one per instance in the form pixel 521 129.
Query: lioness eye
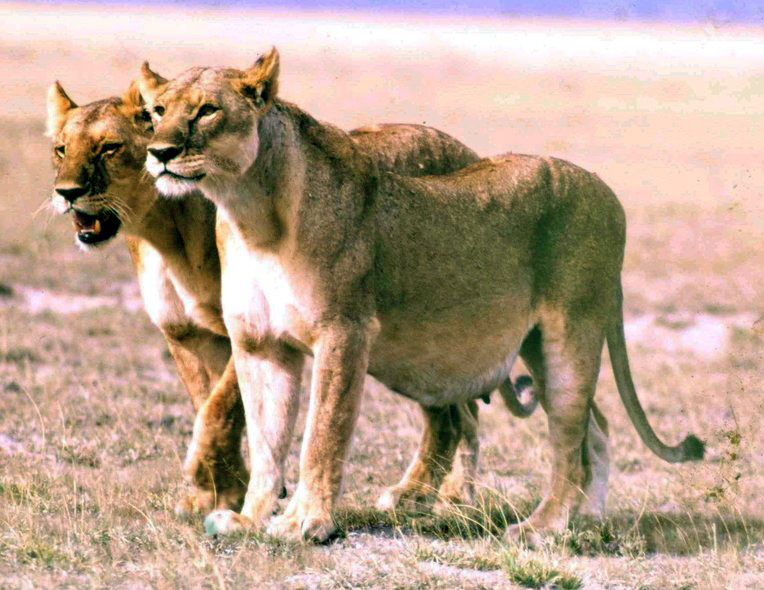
pixel 109 149
pixel 60 150
pixel 159 110
pixel 207 109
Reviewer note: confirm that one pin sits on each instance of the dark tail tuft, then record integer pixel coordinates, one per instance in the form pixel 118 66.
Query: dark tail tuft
pixel 522 383
pixel 520 398
pixel 693 448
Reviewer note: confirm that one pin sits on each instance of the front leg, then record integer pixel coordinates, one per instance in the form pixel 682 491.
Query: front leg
pixel 201 357
pixel 341 361
pixel 213 463
pixel 269 380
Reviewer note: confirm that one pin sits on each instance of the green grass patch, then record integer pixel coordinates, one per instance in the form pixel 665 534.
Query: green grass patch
pixel 458 557
pixel 489 517
pixel 536 573
pixel 25 492
pixel 19 355
pixel 42 552
pixel 527 572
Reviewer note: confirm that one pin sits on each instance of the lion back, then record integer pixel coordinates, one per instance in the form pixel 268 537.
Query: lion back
pixel 413 150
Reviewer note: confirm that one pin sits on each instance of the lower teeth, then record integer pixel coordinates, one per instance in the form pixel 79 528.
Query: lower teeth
pixel 95 229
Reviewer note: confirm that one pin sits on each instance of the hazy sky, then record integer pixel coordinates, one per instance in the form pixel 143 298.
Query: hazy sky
pixel 716 11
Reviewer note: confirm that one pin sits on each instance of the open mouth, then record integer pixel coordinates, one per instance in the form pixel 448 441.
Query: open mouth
pixel 94 229
pixel 166 172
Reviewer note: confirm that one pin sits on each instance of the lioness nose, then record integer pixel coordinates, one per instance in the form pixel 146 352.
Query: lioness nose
pixel 72 193
pixel 165 153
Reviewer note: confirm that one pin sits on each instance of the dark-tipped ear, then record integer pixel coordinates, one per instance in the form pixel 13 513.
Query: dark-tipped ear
pixel 260 83
pixel 59 104
pixel 150 84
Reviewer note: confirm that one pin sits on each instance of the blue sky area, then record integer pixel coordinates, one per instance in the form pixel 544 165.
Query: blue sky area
pixel 716 11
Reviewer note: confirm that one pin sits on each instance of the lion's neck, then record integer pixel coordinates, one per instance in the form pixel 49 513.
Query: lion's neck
pixel 258 201
pixel 183 233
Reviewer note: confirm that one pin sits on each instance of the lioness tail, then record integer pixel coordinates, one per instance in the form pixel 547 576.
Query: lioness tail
pixel 521 398
pixel 690 449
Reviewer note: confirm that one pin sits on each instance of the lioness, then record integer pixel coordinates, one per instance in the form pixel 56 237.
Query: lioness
pixel 433 285
pixel 99 151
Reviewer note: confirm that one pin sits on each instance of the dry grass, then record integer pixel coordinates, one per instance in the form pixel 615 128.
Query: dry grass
pixel 93 420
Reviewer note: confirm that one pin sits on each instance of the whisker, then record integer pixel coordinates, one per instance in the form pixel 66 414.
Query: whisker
pixel 45 205
pixel 115 207
pixel 126 207
pixel 121 209
pixel 110 202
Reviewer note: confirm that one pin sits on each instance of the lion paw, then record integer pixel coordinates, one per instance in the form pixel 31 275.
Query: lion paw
pixel 199 502
pixel 406 499
pixel 523 534
pixel 310 528
pixel 205 501
pixel 456 490
pixel 388 500
pixel 225 522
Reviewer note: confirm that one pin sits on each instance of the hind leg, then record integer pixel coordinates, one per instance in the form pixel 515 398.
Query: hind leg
pixel 596 457
pixel 533 356
pixel 459 484
pixel 596 464
pixel 435 455
pixel 570 357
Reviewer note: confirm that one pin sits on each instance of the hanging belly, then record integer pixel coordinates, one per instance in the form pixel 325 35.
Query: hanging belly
pixel 449 357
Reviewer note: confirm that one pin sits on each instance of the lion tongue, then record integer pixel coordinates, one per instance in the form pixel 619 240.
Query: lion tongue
pixel 86 223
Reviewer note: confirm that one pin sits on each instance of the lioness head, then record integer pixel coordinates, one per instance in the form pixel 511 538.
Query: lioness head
pixel 206 123
pixel 98 153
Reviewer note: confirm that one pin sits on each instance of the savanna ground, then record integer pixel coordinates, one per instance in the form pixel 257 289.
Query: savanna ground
pixel 93 421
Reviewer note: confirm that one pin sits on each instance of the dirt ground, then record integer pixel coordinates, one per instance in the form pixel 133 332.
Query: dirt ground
pixel 94 423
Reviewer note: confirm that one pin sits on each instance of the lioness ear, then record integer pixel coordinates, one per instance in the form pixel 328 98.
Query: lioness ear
pixel 260 83
pixel 59 104
pixel 150 84
pixel 134 107
pixel 132 98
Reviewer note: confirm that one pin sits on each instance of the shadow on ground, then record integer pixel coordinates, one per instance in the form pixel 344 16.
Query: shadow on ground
pixel 623 533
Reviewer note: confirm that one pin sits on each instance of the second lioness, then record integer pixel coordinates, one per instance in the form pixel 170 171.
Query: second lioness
pixel 432 285
pixel 99 150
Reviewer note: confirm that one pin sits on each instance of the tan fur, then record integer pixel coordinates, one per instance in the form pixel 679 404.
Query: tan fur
pixel 173 250
pixel 433 285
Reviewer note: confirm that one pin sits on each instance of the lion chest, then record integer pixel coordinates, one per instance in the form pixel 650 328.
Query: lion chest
pixel 171 302
pixel 260 299
pixel 160 299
